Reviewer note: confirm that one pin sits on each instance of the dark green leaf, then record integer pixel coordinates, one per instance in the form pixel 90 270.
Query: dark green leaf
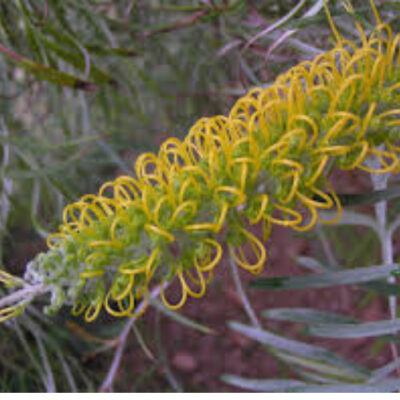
pixel 327 279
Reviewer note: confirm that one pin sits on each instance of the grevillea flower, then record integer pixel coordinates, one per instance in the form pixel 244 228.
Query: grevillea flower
pixel 267 163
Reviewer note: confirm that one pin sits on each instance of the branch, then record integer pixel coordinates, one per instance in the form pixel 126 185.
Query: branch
pixel 108 381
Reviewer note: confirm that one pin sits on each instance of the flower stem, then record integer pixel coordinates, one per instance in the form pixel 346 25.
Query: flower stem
pixel 241 292
pixel 379 182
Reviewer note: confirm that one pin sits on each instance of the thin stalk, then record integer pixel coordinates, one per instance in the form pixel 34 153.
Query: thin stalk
pixel 108 381
pixel 23 295
pixel 242 294
pixel 164 359
pixel 379 182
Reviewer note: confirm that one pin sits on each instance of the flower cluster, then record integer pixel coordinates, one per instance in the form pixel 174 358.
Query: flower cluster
pixel 266 162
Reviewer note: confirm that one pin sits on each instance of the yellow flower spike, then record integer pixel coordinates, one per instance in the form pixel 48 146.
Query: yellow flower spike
pixel 115 244
pixel 296 133
pixel 123 310
pixel 325 202
pixel 264 199
pixel 173 153
pixel 313 216
pixel 338 129
pixel 95 209
pixel 210 226
pixel 158 210
pixel 123 195
pixel 91 273
pixel 310 122
pixel 378 73
pixel 78 309
pixel 70 211
pixel 125 189
pixel 196 171
pixel 93 311
pixel 9 312
pixel 294 174
pixel 184 293
pixel 314 94
pixel 267 160
pixel 244 108
pixel 333 151
pixel 337 205
pixel 143 265
pixel 182 209
pixel 349 84
pixel 199 281
pixel 151 261
pixel 258 250
pixel 279 148
pixel 212 263
pixel 222 217
pixel 391 62
pixel 332 25
pixel 131 267
pixel 161 232
pixel 295 217
pixel 9 279
pixel 381 155
pixel 321 164
pixel 125 292
pixel 364 150
pixel 95 258
pixel 237 198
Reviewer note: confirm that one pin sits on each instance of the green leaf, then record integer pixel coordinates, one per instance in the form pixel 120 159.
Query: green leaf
pixel 327 279
pixel 46 73
pixel 356 331
pixel 262 385
pixel 370 198
pixel 306 315
pixel 181 319
pixel 291 385
pixel 384 288
pixel 383 372
pixel 296 348
pixel 387 386
pixel 310 263
pixel 328 370
pixel 77 60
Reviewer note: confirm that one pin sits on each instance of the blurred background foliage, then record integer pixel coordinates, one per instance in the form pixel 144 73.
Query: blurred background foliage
pixel 88 85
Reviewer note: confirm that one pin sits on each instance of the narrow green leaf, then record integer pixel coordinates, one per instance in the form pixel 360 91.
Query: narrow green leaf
pixel 46 73
pixel 77 60
pixel 369 198
pixel 301 349
pixel 356 331
pixel 327 279
pixel 384 288
pixel 291 385
pixel 306 315
pixel 387 386
pixel 53 75
pixel 181 318
pixel 317 377
pixel 383 372
pixel 262 385
pixel 310 263
pixel 327 369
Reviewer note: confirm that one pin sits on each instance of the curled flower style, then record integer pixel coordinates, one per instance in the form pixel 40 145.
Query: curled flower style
pixel 267 163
